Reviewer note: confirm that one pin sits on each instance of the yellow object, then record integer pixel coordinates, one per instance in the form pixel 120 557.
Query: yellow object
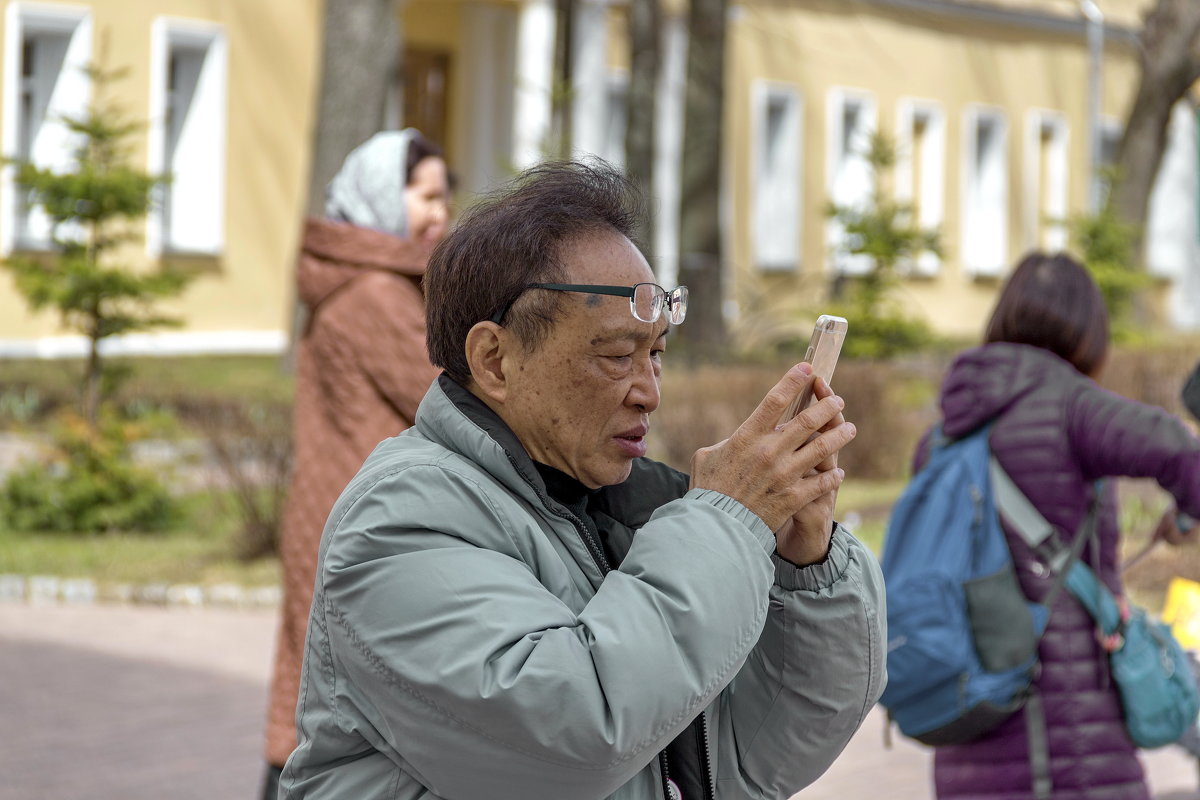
pixel 1182 612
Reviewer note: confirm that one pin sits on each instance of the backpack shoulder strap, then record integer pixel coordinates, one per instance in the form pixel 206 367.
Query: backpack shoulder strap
pixel 1033 528
pixel 1025 519
pixel 1042 537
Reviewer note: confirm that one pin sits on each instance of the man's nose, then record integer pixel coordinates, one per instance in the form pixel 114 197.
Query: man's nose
pixel 644 393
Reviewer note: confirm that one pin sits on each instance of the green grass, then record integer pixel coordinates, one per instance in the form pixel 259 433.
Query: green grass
pixel 202 553
pixel 232 377
pixel 202 550
pixel 32 389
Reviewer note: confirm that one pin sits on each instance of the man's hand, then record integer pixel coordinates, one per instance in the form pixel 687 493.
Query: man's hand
pixel 804 537
pixel 779 472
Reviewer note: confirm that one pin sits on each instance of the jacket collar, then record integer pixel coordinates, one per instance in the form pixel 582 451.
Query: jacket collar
pixel 458 420
pixel 498 442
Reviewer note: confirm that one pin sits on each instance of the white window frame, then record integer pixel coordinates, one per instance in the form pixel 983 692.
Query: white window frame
pixel 1111 130
pixel 71 94
pixel 983 237
pixel 616 117
pixel 1043 204
pixel 590 80
pixel 1171 235
pixel 777 197
pixel 842 156
pixel 930 196
pixel 668 146
pixel 212 89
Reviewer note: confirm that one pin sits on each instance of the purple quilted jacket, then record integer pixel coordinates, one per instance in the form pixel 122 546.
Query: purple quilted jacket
pixel 1056 433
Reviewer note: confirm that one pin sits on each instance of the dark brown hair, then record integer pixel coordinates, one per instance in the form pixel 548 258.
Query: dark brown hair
pixel 1050 301
pixel 511 238
pixel 419 149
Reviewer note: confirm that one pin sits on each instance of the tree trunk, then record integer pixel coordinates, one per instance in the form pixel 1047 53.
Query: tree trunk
pixel 92 377
pixel 645 48
pixel 359 57
pixel 359 60
pixel 700 264
pixel 1170 64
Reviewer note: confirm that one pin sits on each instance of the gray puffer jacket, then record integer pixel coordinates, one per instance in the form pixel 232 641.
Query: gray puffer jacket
pixel 468 641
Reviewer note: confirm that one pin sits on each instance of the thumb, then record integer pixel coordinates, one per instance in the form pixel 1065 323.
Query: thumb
pixel 780 396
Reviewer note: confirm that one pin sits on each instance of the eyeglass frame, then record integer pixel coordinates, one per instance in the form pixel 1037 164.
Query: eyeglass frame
pixel 669 297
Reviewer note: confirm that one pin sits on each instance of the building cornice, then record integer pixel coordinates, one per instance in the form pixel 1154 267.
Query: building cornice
pixel 1026 19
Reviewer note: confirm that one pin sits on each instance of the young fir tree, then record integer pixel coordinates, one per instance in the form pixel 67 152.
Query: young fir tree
pixel 1107 246
pixel 93 208
pixel 885 231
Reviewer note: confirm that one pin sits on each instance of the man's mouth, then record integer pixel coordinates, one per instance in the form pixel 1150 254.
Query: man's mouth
pixel 633 441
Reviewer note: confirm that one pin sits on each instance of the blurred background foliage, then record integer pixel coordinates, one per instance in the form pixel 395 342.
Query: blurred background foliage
pixel 217 429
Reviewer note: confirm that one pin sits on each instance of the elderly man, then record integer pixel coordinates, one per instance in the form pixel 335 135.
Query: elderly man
pixel 513 602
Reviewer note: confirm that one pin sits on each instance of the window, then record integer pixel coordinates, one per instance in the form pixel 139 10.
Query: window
pixel 985 193
pixel 46 49
pixel 776 190
pixel 187 137
pixel 851 123
pixel 1110 139
pixel 598 110
pixel 616 117
pixel 920 170
pixel 1171 219
pixel 1045 201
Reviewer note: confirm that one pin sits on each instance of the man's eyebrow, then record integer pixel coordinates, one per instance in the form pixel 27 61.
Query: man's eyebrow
pixel 629 335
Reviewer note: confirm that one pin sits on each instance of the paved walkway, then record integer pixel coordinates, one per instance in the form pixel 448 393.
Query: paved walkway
pixel 136 703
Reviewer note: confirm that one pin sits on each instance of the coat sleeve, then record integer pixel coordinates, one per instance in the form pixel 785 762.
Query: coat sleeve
pixel 1114 435
pixel 810 681
pixel 476 676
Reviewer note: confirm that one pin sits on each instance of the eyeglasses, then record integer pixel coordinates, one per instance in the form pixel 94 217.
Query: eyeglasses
pixel 646 300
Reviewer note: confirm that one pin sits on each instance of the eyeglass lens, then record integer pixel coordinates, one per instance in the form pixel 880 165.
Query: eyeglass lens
pixel 648 301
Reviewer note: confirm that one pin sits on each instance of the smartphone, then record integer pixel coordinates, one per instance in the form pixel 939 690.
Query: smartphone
pixel 823 350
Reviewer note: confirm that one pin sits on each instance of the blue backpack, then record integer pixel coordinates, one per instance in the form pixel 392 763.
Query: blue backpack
pixel 962 638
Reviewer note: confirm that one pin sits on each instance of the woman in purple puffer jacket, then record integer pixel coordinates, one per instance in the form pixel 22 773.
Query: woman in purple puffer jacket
pixel 1056 433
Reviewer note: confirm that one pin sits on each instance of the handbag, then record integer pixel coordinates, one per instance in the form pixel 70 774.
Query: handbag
pixel 1158 692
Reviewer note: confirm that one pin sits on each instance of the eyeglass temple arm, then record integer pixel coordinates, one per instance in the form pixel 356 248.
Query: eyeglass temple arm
pixel 615 291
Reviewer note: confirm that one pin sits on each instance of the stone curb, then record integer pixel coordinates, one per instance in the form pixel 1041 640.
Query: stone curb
pixel 48 590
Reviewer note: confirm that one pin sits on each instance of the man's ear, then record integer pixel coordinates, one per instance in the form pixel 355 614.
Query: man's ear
pixel 486 347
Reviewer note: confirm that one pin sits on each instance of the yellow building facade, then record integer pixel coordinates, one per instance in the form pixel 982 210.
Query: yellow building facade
pixel 988 102
pixel 226 88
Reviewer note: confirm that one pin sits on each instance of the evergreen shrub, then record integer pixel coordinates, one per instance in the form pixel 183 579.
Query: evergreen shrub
pixel 89 485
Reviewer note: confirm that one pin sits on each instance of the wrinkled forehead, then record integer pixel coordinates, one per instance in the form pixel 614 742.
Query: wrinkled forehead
pixel 604 257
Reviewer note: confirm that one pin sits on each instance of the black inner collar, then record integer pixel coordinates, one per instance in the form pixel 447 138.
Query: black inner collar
pixel 564 488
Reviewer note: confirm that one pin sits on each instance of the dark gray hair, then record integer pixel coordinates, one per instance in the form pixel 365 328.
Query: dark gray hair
pixel 513 237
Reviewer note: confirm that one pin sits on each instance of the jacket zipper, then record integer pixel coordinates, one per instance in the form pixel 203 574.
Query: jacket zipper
pixel 597 554
pixel 706 759
pixel 666 774
pixel 589 541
